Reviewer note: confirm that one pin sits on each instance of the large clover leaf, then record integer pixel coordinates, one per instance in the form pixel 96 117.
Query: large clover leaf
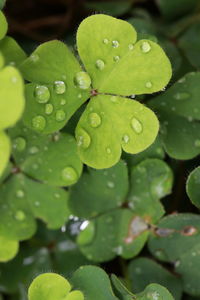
pixel 116 67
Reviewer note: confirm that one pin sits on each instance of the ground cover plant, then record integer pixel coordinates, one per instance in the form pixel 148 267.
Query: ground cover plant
pixel 99 145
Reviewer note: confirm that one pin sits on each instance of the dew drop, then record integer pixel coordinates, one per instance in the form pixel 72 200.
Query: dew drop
pixel 116 58
pixel 108 150
pixel 130 46
pixel 100 64
pixel 110 184
pixel 60 115
pixel 62 102
pixel 115 44
pixel 69 175
pixel 94 120
pixel 136 125
pixel 19 144
pixel 181 96
pixel 39 123
pixel 19 193
pixel 34 57
pixel 59 87
pixel 105 41
pixel 148 84
pixel 125 138
pixel 87 232
pixel 113 99
pixel 33 150
pixel 83 138
pixel 82 80
pixel 145 47
pixel 19 215
pixel 42 94
pixel 48 109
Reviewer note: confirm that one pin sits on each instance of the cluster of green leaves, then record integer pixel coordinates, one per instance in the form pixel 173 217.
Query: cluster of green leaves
pixel 81 109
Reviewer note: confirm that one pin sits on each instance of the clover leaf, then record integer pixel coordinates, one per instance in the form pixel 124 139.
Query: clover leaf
pixel 12 52
pixel 116 67
pixel 3 25
pixel 192 187
pixel 178 110
pixel 8 248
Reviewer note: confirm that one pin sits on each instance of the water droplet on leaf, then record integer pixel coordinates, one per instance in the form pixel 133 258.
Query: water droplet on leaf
pixel 130 46
pixel 42 94
pixel 33 150
pixel 19 144
pixel 115 44
pixel 181 96
pixel 69 175
pixel 105 41
pixel 19 193
pixel 125 138
pixel 116 58
pixel 136 125
pixel 19 215
pixel 148 84
pixel 60 115
pixel 100 64
pixel 145 47
pixel 86 234
pixel 59 87
pixel 83 138
pixel 48 109
pixel 39 123
pixel 94 119
pixel 82 80
pixel 110 184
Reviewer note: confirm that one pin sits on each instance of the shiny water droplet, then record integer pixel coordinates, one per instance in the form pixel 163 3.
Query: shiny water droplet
pixel 33 150
pixel 94 120
pixel 39 123
pixel 69 175
pixel 114 99
pixel 34 57
pixel 20 194
pixel 83 138
pixel 62 102
pixel 125 138
pixel 116 58
pixel 100 64
pixel 87 233
pixel 59 87
pixel 19 215
pixel 148 84
pixel 110 184
pixel 105 41
pixel 48 109
pixel 42 94
pixel 79 96
pixel 197 143
pixel 19 144
pixel 145 47
pixel 108 150
pixel 182 96
pixel 115 44
pixel 130 46
pixel 136 125
pixel 60 115
pixel 82 80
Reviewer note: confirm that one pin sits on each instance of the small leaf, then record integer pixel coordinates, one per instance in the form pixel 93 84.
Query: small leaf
pixel 155 292
pixel 113 60
pixel 3 25
pixel 134 128
pixel 111 187
pixel 192 187
pixel 11 89
pixel 8 248
pixel 12 52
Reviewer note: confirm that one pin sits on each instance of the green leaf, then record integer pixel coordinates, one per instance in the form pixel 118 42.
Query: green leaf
pixel 12 52
pixel 4 151
pixel 8 248
pixel 53 96
pixel 143 271
pixel 11 89
pixel 192 187
pixel 111 187
pixel 111 122
pixel 37 156
pixel 49 286
pixel 84 279
pixel 120 290
pixel 3 25
pixel 150 181
pixel 178 110
pixel 155 291
pixel 190 44
pixel 106 47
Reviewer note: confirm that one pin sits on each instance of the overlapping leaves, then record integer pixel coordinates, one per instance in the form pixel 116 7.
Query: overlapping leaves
pixel 116 67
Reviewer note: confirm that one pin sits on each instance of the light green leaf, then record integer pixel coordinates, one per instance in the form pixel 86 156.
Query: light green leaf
pixel 111 187
pixel 150 181
pixel 11 89
pixel 12 52
pixel 193 187
pixel 115 63
pixel 155 291
pixel 4 151
pixel 3 25
pixel 8 248
pixel 111 122
pixel 54 96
